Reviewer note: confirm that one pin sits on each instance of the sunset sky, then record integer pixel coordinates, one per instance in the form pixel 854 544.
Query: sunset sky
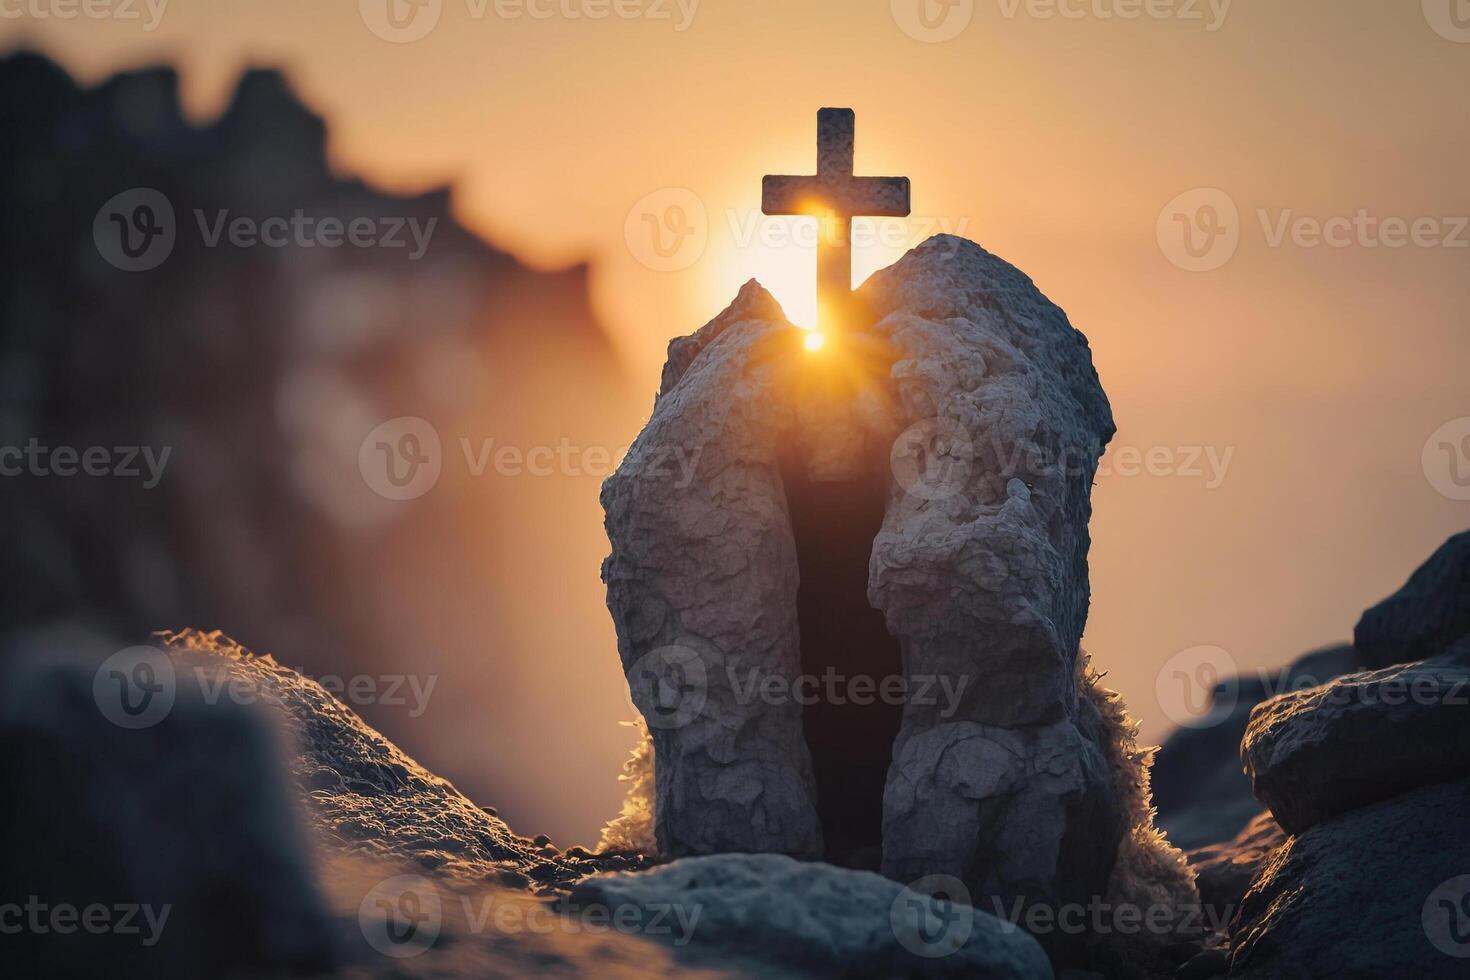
pixel 1281 398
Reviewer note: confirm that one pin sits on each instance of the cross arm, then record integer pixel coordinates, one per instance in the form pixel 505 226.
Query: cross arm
pixel 880 197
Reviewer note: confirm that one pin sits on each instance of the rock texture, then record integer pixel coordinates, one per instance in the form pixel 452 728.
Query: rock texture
pixel 1202 794
pixel 1431 611
pixel 189 817
pixel 703 576
pixel 362 793
pixel 987 405
pixel 820 919
pixel 1365 737
pixel 983 578
pixel 1371 893
pixel 1223 872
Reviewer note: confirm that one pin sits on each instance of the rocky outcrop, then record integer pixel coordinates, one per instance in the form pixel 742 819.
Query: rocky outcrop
pixel 361 792
pixel 819 919
pixel 1223 872
pixel 1202 794
pixel 1363 738
pixel 983 400
pixel 1427 615
pixel 1379 891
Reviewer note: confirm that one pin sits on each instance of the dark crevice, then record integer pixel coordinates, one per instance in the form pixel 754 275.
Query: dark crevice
pixel 844 638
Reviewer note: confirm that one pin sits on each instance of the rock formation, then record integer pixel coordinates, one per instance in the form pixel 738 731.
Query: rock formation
pixel 823 920
pixel 1426 616
pixel 983 401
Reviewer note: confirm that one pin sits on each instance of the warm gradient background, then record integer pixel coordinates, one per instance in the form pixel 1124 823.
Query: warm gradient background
pixel 1053 142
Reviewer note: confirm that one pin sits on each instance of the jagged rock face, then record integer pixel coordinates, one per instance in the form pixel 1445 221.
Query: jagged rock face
pixel 1377 892
pixel 1314 754
pixel 1428 614
pixel 991 416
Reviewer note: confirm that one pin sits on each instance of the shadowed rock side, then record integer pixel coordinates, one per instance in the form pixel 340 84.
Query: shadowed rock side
pixel 1428 614
pixel 980 570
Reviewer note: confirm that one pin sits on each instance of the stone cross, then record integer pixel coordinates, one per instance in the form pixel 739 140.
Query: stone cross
pixel 834 196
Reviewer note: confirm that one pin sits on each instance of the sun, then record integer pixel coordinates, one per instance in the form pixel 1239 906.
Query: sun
pixel 814 341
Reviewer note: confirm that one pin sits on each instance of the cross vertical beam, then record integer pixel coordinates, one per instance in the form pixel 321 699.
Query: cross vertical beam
pixel 834 197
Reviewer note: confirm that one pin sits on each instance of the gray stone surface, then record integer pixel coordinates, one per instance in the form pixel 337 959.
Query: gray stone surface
pixel 993 419
pixel 1368 894
pixel 982 575
pixel 824 920
pixel 704 574
pixel 1201 792
pixel 1428 614
pixel 1364 737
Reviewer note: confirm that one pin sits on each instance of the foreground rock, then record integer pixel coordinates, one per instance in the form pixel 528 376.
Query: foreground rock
pixel 154 800
pixel 360 790
pixel 985 405
pixel 1380 891
pixel 821 919
pixel 1363 738
pixel 1429 614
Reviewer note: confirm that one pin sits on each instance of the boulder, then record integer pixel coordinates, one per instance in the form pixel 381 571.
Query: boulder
pixel 1316 753
pixel 979 401
pixel 1379 891
pixel 1430 613
pixel 814 917
pixel 1223 872
pixel 1201 792
pixel 164 816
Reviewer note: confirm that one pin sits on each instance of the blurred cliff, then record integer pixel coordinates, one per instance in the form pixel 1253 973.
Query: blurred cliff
pixel 261 371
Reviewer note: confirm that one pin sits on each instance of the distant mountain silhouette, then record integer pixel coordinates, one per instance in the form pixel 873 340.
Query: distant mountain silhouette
pixel 262 370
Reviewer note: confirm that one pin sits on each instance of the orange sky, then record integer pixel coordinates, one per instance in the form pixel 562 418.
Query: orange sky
pixel 1054 141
